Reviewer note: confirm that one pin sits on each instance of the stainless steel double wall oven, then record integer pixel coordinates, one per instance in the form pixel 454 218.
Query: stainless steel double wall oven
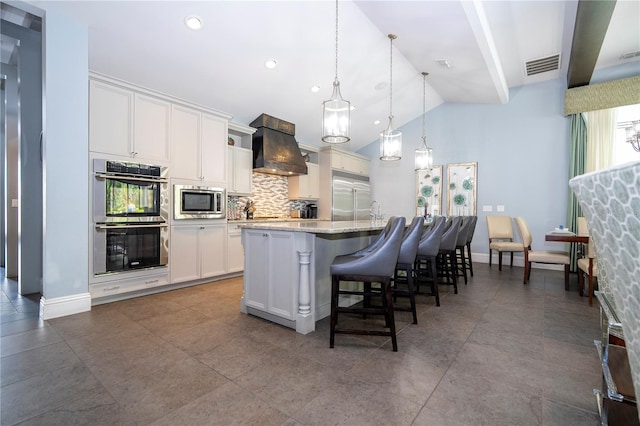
pixel 130 214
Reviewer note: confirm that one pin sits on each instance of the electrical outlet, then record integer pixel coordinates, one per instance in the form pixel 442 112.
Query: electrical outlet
pixel 487 208
pixel 500 208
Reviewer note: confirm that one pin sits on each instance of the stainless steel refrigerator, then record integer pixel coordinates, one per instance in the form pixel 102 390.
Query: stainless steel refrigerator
pixel 351 198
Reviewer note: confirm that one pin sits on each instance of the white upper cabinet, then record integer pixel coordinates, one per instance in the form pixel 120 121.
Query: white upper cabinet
pixel 199 145
pixel 240 159
pixel 305 187
pixel 125 123
pixel 213 145
pixel 185 143
pixel 355 164
pixel 346 161
pixel 110 119
pixel 151 128
pixel 240 170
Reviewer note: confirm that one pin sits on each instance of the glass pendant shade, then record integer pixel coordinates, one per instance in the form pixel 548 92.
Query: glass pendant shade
pixel 336 117
pixel 390 143
pixel 424 158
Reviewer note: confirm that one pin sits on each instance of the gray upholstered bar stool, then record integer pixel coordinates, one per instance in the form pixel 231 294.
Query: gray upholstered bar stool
pixel 375 266
pixel 472 230
pixel 406 260
pixel 447 253
pixel 426 259
pixel 461 243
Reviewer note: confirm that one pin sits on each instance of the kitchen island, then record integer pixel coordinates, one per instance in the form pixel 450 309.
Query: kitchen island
pixel 286 275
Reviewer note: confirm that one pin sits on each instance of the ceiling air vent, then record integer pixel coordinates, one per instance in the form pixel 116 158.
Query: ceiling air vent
pixel 537 66
pixel 630 55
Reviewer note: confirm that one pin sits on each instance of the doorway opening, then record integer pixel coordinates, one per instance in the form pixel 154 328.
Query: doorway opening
pixel 21 118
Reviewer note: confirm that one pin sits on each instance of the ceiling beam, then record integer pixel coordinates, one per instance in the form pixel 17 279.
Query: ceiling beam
pixel 592 22
pixel 482 33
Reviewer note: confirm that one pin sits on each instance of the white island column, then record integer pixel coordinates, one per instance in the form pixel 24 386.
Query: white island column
pixel 305 318
pixel 304 321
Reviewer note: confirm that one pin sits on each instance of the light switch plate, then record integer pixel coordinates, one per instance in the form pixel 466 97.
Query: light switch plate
pixel 14 202
pixel 487 208
pixel 500 208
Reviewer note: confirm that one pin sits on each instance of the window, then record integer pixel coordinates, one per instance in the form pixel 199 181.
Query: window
pixel 623 152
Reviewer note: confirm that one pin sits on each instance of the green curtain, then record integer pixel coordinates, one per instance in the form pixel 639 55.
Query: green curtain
pixel 577 162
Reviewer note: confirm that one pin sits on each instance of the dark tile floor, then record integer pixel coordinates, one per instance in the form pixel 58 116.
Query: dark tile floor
pixel 497 353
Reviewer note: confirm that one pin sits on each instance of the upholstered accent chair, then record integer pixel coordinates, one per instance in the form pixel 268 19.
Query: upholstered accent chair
pixel 587 264
pixel 540 256
pixel 501 238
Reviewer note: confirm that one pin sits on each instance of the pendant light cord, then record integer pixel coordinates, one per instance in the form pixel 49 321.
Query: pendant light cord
pixel 424 109
pixel 391 37
pixel 336 40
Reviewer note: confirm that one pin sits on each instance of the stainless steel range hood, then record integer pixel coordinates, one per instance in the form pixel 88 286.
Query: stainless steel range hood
pixel 275 149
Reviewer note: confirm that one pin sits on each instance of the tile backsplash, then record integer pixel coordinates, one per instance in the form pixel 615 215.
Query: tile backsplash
pixel 270 196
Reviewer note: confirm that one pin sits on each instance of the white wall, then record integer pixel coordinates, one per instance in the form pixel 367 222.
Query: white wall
pixel 66 154
pixel 522 152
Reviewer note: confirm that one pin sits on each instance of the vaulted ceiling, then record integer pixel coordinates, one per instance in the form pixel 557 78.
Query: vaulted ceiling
pixel 474 52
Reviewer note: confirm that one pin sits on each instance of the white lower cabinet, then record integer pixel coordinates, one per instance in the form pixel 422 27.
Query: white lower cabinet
pixel 268 270
pixel 197 251
pixel 235 252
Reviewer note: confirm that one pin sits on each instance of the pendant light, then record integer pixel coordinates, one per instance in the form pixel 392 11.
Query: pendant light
pixel 424 155
pixel 336 120
pixel 391 139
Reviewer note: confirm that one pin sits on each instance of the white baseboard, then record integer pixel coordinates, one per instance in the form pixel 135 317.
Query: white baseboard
pixel 63 306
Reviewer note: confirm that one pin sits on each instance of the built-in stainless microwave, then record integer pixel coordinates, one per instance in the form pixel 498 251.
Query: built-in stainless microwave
pixel 198 202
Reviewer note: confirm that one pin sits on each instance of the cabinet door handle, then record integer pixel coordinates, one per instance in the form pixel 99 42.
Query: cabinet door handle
pixel 151 281
pixel 115 287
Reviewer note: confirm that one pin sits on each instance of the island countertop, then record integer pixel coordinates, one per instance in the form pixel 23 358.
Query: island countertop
pixel 317 226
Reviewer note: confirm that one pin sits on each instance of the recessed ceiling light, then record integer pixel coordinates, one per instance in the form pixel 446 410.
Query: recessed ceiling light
pixel 270 63
pixel 376 122
pixel 352 107
pixel 381 86
pixel 315 89
pixel 193 22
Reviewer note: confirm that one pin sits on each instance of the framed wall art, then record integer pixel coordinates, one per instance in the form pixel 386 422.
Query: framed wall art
pixel 462 185
pixel 429 191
